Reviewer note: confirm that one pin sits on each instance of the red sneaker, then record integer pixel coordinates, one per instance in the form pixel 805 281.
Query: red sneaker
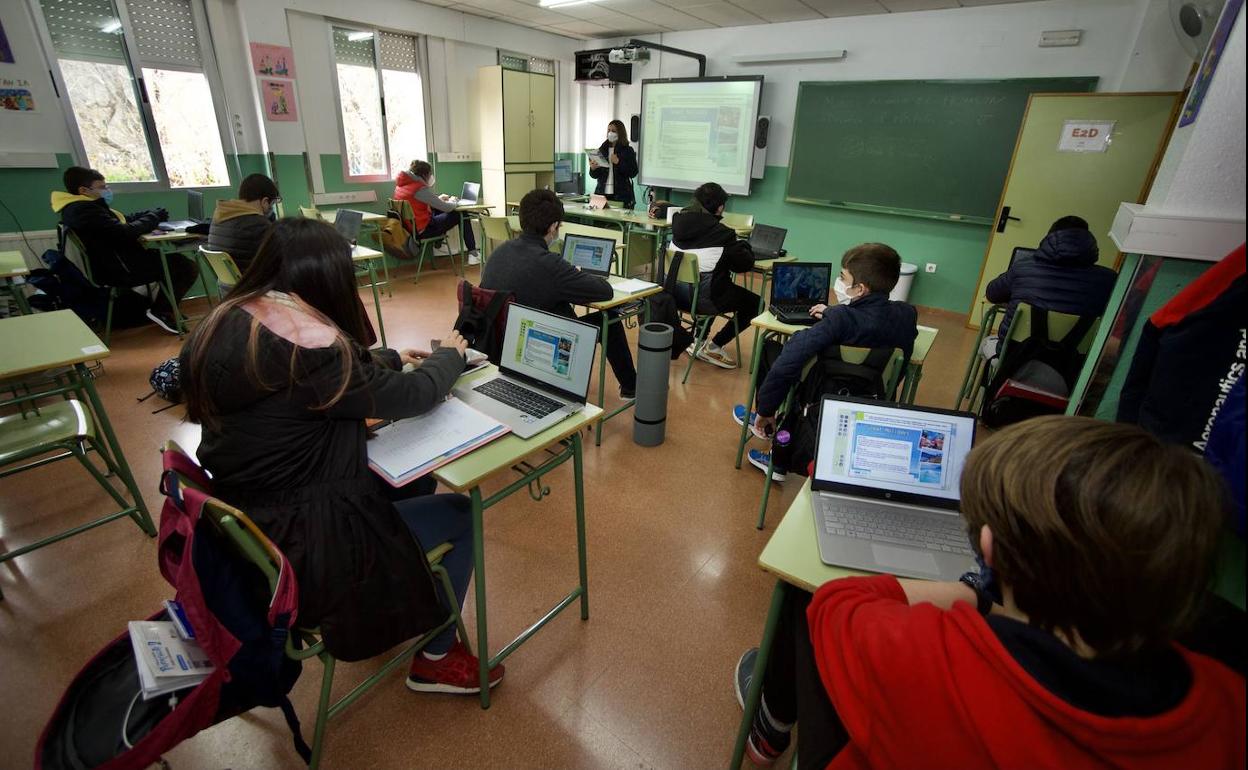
pixel 458 672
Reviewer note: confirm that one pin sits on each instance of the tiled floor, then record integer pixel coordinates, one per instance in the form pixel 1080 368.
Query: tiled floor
pixel 675 595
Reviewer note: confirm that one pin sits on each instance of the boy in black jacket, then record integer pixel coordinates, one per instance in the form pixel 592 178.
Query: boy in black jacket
pixel 697 229
pixel 870 320
pixel 111 239
pixel 541 279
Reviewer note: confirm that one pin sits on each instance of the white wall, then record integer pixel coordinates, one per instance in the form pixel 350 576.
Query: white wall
pixel 982 42
pixel 41 131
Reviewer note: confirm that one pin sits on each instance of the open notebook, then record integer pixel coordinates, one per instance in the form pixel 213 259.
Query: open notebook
pixel 407 449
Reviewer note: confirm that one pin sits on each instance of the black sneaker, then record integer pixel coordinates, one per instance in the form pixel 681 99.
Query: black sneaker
pixel 765 744
pixel 628 393
pixel 165 321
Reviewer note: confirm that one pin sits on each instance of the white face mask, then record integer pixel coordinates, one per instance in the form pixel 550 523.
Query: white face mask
pixel 842 290
pixel 612 136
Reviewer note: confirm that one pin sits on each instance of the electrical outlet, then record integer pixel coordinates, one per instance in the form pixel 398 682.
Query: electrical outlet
pixel 930 267
pixel 457 157
pixel 339 198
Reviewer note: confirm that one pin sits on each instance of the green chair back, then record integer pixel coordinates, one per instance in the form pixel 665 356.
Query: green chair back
pixel 496 228
pixel 1059 324
pixel 738 221
pixel 72 239
pixel 310 212
pixel 892 371
pixel 222 265
pixel 688 272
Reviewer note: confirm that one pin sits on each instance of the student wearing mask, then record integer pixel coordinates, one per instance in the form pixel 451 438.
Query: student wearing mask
pixel 433 214
pixel 615 176
pixel 239 225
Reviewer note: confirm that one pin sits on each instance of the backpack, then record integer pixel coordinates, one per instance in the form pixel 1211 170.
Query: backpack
pixel 1047 366
pixel 241 622
pixel 394 237
pixel 664 310
pixel 831 376
pixel 64 287
pixel 483 318
pixel 166 382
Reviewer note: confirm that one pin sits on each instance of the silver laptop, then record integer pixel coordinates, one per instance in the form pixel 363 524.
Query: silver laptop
pixel 194 212
pixel 885 488
pixel 543 376
pixel 469 194
pixel 347 223
pixel 590 254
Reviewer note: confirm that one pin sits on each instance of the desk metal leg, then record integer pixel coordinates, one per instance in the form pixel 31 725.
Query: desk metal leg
pixel 749 394
pixel 372 280
pixel 914 373
pixel 179 321
pixel 578 480
pixel 478 579
pixel 754 695
pixel 19 296
pixel 142 517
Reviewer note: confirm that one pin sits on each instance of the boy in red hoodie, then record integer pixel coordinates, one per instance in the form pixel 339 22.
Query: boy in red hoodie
pixel 1098 541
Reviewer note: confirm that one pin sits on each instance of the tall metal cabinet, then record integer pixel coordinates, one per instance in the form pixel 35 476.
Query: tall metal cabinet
pixel 517 120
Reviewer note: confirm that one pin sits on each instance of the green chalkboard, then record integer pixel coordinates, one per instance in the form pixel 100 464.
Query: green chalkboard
pixel 929 148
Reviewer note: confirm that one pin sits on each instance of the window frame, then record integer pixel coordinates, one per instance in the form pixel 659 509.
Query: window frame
pixel 147 115
pixel 421 70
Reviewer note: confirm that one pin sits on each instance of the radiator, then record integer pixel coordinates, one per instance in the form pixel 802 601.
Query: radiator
pixel 39 240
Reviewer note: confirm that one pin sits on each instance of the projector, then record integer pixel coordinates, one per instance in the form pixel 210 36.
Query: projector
pixel 630 55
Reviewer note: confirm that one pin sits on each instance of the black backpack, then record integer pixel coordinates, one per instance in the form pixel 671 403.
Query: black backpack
pixel 1037 360
pixel 483 318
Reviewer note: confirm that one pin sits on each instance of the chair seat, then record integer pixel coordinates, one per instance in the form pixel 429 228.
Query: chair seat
pixel 55 424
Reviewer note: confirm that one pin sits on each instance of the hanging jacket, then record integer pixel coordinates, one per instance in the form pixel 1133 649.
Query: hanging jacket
pixel 1061 276
pixel 110 237
pixel 625 170
pixel 237 229
pixel 720 252
pixel 424 200
pixel 302 475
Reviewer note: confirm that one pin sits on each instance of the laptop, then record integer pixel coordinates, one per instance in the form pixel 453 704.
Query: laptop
pixel 543 376
pixel 347 223
pixel 194 213
pixel 468 195
pixel 766 241
pixel 567 181
pixel 796 287
pixel 885 488
pixel 1020 252
pixel 590 254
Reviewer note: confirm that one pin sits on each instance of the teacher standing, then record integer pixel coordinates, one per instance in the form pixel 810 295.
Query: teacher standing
pixel 615 177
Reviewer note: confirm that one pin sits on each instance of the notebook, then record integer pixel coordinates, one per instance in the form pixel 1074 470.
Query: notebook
pixel 407 449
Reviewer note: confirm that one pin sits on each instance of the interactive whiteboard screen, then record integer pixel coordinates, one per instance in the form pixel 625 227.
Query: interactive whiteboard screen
pixel 697 130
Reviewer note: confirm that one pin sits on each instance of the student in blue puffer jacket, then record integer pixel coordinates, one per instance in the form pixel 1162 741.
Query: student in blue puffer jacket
pixel 1061 276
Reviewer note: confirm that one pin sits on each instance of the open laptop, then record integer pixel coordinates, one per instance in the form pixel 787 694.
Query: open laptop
pixel 1020 252
pixel 567 181
pixel 885 488
pixel 796 287
pixel 468 195
pixel 590 254
pixel 347 223
pixel 766 241
pixel 543 376
pixel 194 213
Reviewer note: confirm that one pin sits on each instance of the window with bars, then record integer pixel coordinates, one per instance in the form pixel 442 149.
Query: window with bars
pixel 518 61
pixel 134 74
pixel 381 102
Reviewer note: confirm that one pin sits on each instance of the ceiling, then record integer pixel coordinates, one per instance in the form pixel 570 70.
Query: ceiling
pixel 620 18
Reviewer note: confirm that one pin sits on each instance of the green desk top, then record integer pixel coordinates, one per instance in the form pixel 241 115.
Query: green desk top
pixel 792 553
pixel 621 298
pixel 36 343
pixel 765 265
pixel 615 215
pixel 361 253
pixel 922 344
pixel 470 470
pixel 365 216
pixel 163 237
pixel 12 263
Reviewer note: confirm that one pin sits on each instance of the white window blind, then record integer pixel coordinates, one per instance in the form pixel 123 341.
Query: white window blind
pixel 518 61
pixel 398 52
pixel 353 47
pixel 164 33
pixel 84 29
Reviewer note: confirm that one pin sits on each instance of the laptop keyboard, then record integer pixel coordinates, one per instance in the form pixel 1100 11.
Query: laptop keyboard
pixel 935 533
pixel 787 309
pixel 517 397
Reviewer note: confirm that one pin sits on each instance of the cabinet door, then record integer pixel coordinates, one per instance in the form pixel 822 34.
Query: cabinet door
pixel 516 117
pixel 542 105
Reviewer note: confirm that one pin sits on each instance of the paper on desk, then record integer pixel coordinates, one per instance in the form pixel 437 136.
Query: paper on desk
pixel 631 285
pixel 411 448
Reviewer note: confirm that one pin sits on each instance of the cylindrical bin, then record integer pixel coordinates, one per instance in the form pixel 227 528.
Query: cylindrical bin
pixel 654 360
pixel 901 292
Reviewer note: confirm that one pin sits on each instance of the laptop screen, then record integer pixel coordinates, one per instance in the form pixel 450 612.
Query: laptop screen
pixel 1020 252
pixel 767 238
pixel 563 171
pixel 592 255
pixel 805 283
pixel 550 349
pixel 470 192
pixel 347 223
pixel 195 205
pixel 898 453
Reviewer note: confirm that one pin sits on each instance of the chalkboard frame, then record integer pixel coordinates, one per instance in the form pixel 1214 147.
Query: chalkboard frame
pixel 1090 82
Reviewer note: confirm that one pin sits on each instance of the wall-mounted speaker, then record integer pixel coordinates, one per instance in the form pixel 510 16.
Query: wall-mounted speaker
pixel 634 128
pixel 760 132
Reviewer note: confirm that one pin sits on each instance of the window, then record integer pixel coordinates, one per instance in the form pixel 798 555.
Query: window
pixel 143 122
pixel 381 102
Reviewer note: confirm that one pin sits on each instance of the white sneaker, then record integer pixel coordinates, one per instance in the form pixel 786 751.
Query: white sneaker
pixel 474 257
pixel 714 354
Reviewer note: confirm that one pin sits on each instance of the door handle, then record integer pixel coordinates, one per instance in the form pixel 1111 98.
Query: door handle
pixel 1005 216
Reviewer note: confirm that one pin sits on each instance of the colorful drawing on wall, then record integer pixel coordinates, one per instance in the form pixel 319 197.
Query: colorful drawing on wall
pixel 1209 65
pixel 279 100
pixel 17 99
pixel 275 61
pixel 6 51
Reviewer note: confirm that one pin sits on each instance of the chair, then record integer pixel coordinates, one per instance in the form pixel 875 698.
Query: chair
pixel 408 218
pixel 68 428
pixel 252 544
pixel 71 238
pixel 495 229
pixel 738 222
pixel 980 371
pixel 853 355
pixel 223 267
pixel 310 212
pixel 701 320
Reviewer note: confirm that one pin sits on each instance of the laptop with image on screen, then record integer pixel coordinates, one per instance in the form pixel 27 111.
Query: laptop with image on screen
pixel 590 254
pixel 194 213
pixel 543 376
pixel 796 287
pixel 347 223
pixel 767 241
pixel 885 488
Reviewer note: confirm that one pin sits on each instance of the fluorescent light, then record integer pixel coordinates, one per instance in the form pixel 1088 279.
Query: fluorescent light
pixel 111 26
pixel 562 3
pixel 359 36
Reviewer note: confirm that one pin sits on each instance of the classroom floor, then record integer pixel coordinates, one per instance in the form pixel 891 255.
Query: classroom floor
pixel 646 682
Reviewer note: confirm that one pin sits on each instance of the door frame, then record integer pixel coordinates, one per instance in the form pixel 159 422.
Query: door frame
pixel 1149 178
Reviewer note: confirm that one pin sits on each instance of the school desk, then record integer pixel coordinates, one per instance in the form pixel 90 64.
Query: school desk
pixel 179 242
pixel 466 475
pixel 369 258
pixel 370 225
pixel 12 266
pixel 768 327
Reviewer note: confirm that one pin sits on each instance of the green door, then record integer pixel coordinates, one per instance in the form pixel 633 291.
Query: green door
pixel 1047 182
pixel 517 117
